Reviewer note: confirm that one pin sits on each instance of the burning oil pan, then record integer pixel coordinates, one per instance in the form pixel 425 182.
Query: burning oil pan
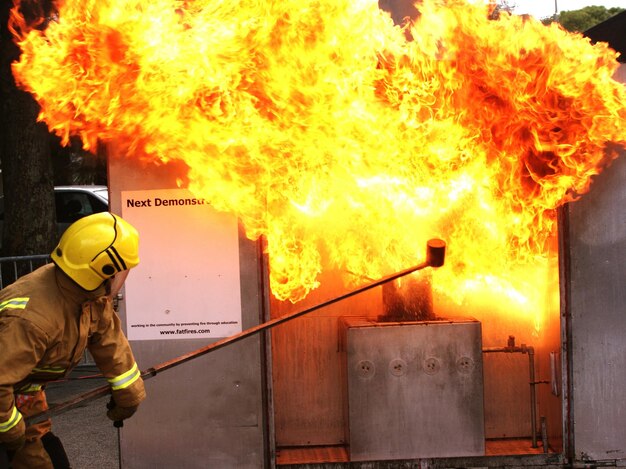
pixel 414 389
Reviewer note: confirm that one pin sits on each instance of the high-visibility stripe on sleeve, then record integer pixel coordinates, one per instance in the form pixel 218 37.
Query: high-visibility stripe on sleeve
pixel 14 303
pixel 13 421
pixel 30 388
pixel 48 369
pixel 124 380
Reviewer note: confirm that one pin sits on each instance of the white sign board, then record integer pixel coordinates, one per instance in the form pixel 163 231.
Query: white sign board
pixel 187 283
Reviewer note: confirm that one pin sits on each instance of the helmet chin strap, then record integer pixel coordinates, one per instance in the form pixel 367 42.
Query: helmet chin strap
pixel 115 283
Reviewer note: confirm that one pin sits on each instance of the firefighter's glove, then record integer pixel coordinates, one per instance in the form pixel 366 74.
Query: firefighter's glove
pixel 118 413
pixel 15 438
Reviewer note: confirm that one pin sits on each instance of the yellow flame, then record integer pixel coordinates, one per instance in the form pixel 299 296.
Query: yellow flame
pixel 324 129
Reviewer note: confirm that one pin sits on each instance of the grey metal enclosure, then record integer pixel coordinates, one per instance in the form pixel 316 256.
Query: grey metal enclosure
pixel 595 296
pixel 209 412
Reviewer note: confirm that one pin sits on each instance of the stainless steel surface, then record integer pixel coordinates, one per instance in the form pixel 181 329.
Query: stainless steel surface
pixel 208 413
pixel 595 296
pixel 414 390
pixel 597 291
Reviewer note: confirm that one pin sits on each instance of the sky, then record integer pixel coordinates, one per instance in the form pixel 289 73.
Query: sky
pixel 544 8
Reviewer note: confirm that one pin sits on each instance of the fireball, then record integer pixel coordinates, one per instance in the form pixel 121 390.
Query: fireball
pixel 344 139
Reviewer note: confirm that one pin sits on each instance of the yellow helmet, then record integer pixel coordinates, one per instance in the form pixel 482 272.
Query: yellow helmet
pixel 96 247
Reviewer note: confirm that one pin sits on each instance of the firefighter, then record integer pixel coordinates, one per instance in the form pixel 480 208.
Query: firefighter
pixel 49 317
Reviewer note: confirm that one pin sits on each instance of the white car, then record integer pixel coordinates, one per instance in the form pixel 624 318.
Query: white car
pixel 73 203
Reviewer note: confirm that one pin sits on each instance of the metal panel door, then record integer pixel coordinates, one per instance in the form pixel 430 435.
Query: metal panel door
pixel 597 304
pixel 209 412
pixel 415 390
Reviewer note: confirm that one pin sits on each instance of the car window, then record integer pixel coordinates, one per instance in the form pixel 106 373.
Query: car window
pixel 74 205
pixel 97 205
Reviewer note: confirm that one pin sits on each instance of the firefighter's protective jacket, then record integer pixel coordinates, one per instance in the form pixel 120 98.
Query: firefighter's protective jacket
pixel 46 322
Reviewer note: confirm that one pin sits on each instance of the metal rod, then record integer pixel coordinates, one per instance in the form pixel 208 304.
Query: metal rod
pixel 435 255
pixel 544 434
pixel 533 396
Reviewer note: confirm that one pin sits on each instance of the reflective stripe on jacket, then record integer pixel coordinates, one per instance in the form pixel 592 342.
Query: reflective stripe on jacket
pixel 13 420
pixel 125 379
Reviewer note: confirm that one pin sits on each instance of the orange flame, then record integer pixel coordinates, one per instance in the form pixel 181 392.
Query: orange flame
pixel 322 128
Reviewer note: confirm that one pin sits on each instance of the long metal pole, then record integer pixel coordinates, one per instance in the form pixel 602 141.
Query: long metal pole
pixel 556 10
pixel 533 396
pixel 435 256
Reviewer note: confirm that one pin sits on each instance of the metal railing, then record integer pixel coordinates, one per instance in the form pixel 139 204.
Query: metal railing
pixel 14 267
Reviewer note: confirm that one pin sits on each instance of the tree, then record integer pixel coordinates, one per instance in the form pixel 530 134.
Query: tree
pixel 29 212
pixel 585 18
pixel 33 160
